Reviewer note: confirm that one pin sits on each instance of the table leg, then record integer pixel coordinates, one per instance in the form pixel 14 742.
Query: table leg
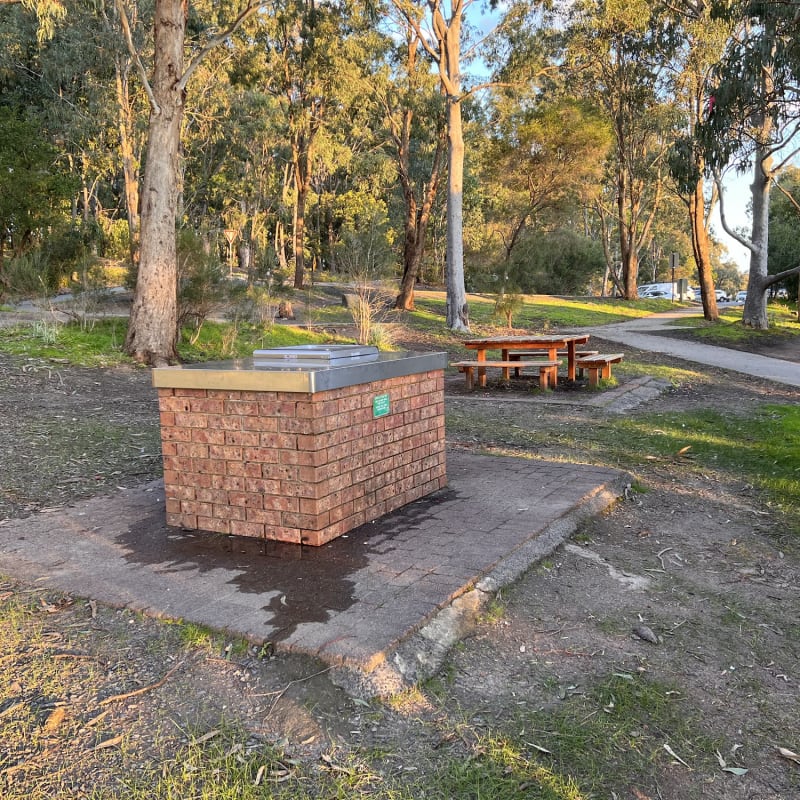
pixel 552 355
pixel 480 355
pixel 571 347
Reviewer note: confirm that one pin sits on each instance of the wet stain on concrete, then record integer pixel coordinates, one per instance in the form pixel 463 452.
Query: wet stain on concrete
pixel 300 584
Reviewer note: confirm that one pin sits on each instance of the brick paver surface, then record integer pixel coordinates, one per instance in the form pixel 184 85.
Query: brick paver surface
pixel 351 601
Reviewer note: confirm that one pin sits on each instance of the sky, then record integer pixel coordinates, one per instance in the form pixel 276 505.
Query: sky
pixel 737 213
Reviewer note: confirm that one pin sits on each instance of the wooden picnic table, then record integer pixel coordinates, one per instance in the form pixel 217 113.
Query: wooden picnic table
pixel 547 343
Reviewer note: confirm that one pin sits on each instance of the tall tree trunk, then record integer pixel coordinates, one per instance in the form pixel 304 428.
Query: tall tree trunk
pixel 298 239
pixel 130 163
pixel 702 250
pixel 754 314
pixel 457 309
pixel 417 219
pixel 152 332
pixel 301 160
pixel 445 50
pixel 280 245
pixel 411 252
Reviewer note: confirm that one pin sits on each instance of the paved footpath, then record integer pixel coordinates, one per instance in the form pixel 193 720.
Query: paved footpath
pixel 635 334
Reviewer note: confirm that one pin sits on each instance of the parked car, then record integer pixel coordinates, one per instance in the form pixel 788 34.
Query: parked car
pixel 721 296
pixel 657 294
pixel 782 294
pixel 741 297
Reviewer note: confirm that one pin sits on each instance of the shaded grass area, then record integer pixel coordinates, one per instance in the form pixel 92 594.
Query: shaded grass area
pixel 100 344
pixel 79 456
pixel 71 728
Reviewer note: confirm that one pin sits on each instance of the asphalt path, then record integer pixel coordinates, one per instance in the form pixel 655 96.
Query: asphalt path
pixel 639 333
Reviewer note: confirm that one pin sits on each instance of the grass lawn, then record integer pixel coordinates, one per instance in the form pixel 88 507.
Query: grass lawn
pixel 540 312
pixel 728 331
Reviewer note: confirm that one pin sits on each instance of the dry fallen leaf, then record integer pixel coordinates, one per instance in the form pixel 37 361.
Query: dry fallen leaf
pixel 206 736
pixel 789 754
pixel 112 742
pixel 675 755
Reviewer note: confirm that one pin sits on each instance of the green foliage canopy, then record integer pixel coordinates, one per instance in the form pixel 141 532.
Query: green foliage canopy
pixel 34 191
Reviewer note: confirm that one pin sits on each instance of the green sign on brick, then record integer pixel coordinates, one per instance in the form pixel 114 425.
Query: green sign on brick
pixel 380 405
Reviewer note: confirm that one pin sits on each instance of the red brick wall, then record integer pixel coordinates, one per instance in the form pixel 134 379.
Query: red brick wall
pixel 300 467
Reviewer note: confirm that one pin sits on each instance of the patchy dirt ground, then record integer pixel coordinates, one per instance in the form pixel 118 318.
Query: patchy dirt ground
pixel 92 698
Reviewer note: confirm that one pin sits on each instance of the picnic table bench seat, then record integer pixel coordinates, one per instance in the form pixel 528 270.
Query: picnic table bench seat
pixel 598 365
pixel 546 367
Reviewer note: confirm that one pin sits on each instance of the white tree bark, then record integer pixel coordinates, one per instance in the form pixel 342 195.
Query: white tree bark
pixel 445 52
pixel 457 308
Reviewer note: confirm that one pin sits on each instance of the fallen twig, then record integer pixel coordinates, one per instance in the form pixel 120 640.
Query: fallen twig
pixel 144 689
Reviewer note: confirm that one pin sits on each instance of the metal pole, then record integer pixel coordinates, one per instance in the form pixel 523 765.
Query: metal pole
pixel 673 262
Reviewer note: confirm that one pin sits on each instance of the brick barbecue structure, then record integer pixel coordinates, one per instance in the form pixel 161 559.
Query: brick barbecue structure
pixel 243 458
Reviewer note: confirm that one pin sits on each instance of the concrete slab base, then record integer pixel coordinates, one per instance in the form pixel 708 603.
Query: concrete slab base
pixel 382 604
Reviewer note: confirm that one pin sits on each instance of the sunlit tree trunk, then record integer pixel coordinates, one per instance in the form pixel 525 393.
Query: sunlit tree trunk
pixel 152 331
pixel 457 309
pixel 701 249
pixel 446 54
pixel 754 314
pixel 416 217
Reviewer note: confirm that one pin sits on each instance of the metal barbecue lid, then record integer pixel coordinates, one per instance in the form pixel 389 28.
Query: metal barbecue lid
pixel 315 355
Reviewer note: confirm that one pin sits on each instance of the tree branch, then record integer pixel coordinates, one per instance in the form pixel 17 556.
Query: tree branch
pixel 126 32
pixel 414 25
pixel 779 276
pixel 723 219
pixel 788 195
pixel 216 41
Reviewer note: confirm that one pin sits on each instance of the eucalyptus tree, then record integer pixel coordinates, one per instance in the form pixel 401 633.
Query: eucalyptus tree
pixel 34 190
pixel 752 122
pixel 703 43
pixel 152 329
pixel 77 82
pixel 49 13
pixel 235 159
pixel 316 68
pixel 129 109
pixel 541 159
pixel 414 117
pixel 439 27
pixel 784 222
pixel 616 56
